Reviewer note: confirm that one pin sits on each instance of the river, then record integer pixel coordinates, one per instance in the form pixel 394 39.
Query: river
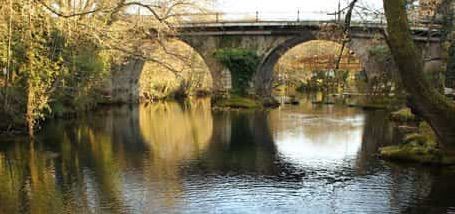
pixel 174 157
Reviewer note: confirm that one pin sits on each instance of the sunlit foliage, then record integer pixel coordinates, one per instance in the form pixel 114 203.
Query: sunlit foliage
pixel 56 56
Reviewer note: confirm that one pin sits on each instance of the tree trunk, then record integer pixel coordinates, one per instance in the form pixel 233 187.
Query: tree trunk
pixel 450 70
pixel 424 100
pixel 445 8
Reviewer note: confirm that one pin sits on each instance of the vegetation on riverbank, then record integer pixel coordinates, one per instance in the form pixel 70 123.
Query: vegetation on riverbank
pixel 57 57
pixel 418 147
pixel 419 143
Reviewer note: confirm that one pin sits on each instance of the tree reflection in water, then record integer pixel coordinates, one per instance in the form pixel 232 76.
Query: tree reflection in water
pixel 182 157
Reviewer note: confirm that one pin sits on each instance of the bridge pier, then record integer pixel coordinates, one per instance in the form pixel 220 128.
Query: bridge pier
pixel 208 45
pixel 125 81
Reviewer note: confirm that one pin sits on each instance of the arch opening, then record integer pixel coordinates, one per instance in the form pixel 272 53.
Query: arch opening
pixel 267 77
pixel 312 66
pixel 179 70
pixel 172 68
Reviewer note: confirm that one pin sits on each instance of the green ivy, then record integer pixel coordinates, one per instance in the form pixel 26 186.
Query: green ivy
pixel 242 64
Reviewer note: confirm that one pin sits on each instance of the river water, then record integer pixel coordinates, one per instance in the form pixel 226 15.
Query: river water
pixel 185 158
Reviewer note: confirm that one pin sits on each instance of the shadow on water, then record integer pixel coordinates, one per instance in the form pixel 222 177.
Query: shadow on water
pixel 182 157
pixel 241 144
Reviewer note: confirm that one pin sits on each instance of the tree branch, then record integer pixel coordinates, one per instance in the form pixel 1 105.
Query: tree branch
pixel 347 32
pixel 55 12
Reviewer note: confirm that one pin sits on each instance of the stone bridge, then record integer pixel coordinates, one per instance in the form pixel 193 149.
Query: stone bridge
pixel 271 40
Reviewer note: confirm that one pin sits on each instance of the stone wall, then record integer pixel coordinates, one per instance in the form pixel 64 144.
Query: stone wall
pixel 125 81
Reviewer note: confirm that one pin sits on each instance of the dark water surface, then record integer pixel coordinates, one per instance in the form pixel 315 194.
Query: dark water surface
pixel 184 158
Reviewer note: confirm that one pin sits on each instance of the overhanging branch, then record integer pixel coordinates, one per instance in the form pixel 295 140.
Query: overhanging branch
pixel 57 13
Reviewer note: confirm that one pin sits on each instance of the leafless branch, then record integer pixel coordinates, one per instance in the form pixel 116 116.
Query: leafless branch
pixel 347 32
pixel 57 13
pixel 113 11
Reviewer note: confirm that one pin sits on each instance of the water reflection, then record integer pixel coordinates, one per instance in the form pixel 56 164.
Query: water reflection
pixel 174 133
pixel 186 130
pixel 242 143
pixel 324 137
pixel 184 158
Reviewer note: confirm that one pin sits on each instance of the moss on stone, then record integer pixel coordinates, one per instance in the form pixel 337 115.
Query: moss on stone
pixel 421 147
pixel 404 115
pixel 411 153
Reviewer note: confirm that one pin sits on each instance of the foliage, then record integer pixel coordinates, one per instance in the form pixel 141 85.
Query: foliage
pixel 58 54
pixel 31 67
pixel 242 64
pixel 85 77
pixel 50 67
pixel 326 80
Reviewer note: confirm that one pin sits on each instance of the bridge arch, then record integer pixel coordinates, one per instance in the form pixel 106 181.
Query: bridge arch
pixel 166 72
pixel 206 47
pixel 263 79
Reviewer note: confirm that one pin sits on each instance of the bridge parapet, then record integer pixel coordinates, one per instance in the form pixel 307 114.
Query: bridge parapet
pixel 294 28
pixel 364 18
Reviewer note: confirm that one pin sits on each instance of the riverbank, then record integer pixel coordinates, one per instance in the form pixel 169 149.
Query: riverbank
pixel 417 144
